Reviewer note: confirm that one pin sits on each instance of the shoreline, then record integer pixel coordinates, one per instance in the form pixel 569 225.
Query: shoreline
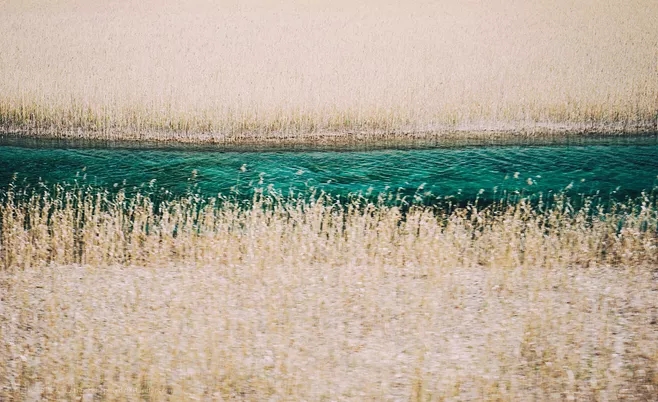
pixel 537 134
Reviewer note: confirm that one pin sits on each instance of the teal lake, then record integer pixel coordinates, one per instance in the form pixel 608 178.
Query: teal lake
pixel 615 168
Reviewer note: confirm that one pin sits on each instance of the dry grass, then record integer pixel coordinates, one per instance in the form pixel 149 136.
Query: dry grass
pixel 108 297
pixel 264 71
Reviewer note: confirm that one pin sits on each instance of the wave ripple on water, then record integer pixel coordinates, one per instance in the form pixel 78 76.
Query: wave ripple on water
pixel 630 168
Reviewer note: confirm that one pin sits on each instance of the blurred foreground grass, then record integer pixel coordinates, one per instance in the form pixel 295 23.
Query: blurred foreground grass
pixel 113 297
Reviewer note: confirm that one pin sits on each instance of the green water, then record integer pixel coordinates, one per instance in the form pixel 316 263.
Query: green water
pixel 617 168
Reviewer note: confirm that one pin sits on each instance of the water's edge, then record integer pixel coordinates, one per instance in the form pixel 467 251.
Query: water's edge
pixel 454 139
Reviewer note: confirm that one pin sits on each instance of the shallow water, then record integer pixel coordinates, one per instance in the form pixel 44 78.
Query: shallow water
pixel 622 168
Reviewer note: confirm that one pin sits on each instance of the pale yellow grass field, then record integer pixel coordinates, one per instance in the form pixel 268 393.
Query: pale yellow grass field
pixel 305 300
pixel 268 70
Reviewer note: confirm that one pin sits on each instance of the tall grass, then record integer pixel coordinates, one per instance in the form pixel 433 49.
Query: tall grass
pixel 259 71
pixel 108 296
pixel 83 225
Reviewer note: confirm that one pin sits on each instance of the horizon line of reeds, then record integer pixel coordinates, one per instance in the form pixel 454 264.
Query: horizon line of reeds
pixel 86 122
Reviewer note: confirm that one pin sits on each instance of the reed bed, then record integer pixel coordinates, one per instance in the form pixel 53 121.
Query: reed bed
pixel 261 71
pixel 307 297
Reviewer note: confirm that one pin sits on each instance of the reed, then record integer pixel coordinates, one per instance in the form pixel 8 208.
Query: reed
pixel 261 71
pixel 109 296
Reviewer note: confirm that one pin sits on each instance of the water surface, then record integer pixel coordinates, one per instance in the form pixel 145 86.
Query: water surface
pixel 623 168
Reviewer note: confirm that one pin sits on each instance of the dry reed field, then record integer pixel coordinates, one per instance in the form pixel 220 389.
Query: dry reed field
pixel 116 297
pixel 122 295
pixel 314 71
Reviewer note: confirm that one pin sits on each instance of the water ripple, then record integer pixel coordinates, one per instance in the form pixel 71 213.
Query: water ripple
pixel 466 170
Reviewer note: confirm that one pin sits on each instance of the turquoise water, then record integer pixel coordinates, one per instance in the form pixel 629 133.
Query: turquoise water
pixel 622 168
